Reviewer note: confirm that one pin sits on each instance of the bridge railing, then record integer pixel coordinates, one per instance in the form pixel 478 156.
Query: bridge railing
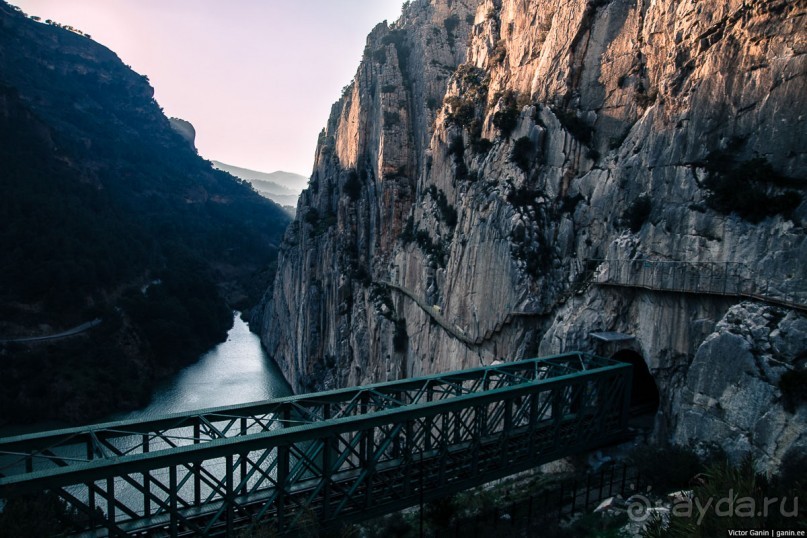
pixel 64 448
pixel 715 278
pixel 359 457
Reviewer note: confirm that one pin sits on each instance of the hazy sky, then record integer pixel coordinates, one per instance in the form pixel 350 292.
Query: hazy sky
pixel 256 78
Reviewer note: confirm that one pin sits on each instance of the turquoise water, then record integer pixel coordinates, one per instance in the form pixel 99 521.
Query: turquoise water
pixel 234 372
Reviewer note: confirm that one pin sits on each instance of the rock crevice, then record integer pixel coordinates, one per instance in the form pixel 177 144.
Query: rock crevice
pixel 481 178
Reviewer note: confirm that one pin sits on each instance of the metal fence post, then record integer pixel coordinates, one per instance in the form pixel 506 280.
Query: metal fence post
pixel 174 515
pixel 229 491
pixel 624 478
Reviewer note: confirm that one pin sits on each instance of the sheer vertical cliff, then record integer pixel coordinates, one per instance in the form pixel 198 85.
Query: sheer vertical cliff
pixel 329 323
pixel 490 154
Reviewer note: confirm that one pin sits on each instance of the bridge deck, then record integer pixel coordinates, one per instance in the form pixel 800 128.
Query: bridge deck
pixel 336 455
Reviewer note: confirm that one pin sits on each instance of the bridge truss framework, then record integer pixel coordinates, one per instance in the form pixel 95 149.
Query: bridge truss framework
pixel 329 457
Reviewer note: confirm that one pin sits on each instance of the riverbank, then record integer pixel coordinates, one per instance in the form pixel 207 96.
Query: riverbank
pixel 235 371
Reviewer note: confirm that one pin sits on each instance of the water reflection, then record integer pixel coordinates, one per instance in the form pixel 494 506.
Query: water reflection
pixel 234 372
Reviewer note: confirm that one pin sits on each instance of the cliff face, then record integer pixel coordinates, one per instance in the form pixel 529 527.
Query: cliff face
pixel 327 323
pixel 563 132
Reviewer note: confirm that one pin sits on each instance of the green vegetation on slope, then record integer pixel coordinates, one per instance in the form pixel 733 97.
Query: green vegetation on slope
pixel 107 212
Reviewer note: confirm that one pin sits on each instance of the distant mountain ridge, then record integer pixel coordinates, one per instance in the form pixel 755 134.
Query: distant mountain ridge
pixel 282 182
pixel 281 187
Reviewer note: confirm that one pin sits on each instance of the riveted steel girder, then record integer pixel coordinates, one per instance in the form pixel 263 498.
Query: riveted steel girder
pixel 327 457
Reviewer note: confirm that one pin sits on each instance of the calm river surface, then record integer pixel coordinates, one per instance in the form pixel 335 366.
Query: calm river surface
pixel 234 372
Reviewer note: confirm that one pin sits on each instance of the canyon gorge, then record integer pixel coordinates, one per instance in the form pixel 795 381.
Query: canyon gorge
pixel 500 173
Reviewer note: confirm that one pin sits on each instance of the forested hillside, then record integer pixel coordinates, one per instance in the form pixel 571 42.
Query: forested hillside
pixel 107 213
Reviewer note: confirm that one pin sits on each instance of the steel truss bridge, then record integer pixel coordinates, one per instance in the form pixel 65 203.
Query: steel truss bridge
pixel 323 458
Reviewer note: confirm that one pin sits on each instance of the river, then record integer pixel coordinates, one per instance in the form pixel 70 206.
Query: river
pixel 234 372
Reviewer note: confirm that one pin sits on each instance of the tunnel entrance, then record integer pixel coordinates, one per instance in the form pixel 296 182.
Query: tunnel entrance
pixel 644 396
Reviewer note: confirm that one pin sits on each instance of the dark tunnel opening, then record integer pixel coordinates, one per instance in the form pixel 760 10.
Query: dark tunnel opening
pixel 644 396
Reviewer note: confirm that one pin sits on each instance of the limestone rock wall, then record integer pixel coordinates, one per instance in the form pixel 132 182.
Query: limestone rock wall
pixel 326 323
pixel 730 395
pixel 488 149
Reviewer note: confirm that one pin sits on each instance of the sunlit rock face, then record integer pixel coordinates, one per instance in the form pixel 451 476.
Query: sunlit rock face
pixel 486 149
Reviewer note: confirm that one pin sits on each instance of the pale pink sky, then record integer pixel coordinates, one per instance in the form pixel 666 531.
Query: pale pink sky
pixel 256 78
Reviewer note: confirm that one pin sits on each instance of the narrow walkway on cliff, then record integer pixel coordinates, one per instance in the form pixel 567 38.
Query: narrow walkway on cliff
pixel 56 336
pixel 452 329
pixel 711 278
pixel 580 283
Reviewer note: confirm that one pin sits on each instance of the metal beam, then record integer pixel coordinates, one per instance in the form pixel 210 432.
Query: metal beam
pixel 369 452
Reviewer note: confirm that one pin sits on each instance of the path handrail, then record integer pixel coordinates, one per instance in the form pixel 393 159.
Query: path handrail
pixel 731 279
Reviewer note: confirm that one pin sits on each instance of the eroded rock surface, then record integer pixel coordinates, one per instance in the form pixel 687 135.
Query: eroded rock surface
pixel 487 149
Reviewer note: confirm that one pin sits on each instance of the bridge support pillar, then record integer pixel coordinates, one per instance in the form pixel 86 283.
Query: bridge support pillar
pixel 243 457
pixel 197 468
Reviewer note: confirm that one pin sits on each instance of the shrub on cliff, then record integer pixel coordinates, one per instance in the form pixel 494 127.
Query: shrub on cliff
pixel 433 249
pixel 481 145
pixel 793 385
pixel 569 203
pixel 751 189
pixel 462 112
pixel 311 216
pixel 457 147
pixel 400 339
pixel 457 150
pixel 408 232
pixel 398 38
pixel 451 23
pixel 447 212
pixel 499 53
pixel 574 125
pixel 352 186
pixel 392 118
pixel 523 197
pixel 506 120
pixel 522 152
pixel 637 213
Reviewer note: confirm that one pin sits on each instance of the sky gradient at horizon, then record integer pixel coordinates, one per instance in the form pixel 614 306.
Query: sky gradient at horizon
pixel 256 78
